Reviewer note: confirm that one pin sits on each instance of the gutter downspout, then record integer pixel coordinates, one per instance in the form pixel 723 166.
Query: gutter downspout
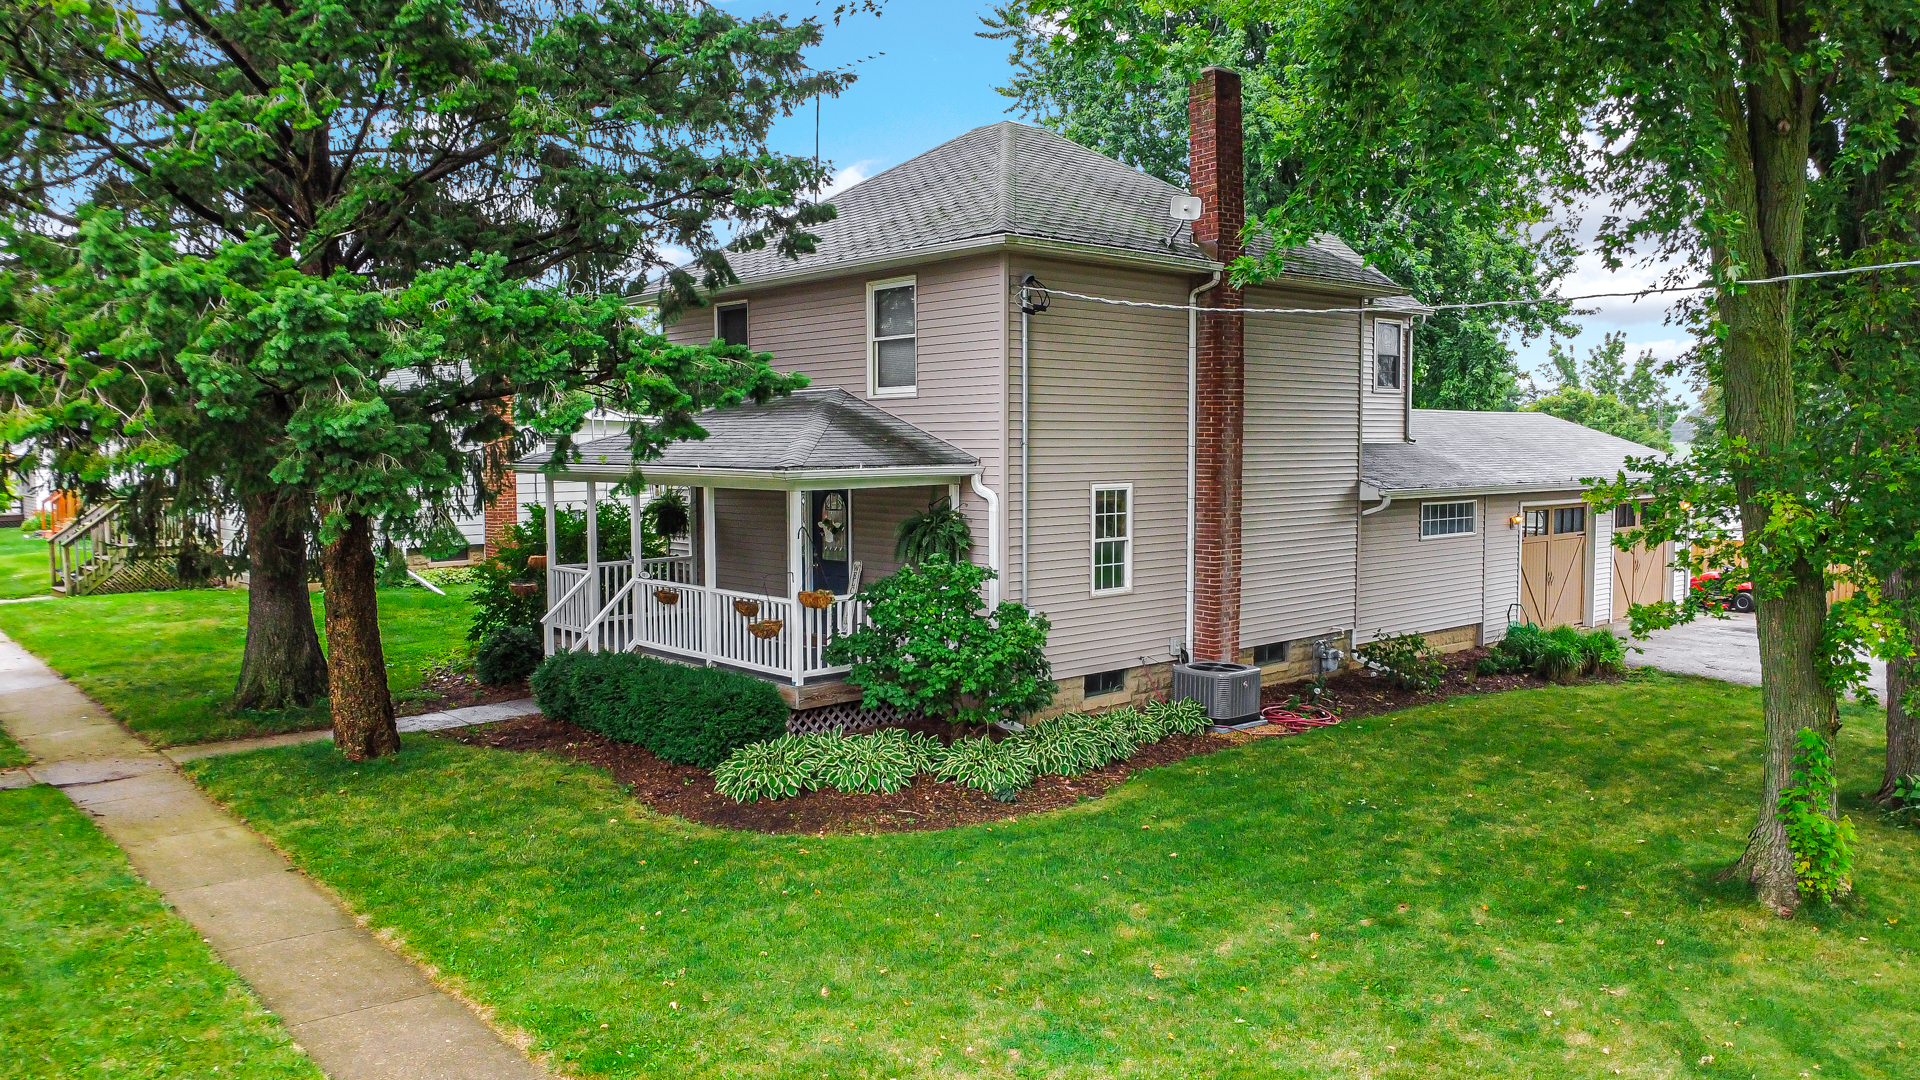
pixel 1026 461
pixel 1385 501
pixel 1193 431
pixel 993 539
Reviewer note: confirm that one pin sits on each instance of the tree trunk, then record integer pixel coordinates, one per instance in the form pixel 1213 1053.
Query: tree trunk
pixel 1762 184
pixel 283 666
pixel 356 667
pixel 1903 726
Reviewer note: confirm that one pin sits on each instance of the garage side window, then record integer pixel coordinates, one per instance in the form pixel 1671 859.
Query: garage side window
pixel 1445 519
pixel 1569 519
pixel 1537 523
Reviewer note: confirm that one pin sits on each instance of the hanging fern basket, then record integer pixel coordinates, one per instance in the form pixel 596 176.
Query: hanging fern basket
pixel 747 608
pixel 818 599
pixel 666 596
pixel 766 629
pixel 522 588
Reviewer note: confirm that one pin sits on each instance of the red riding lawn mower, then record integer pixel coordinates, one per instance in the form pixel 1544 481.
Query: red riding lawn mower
pixel 1713 587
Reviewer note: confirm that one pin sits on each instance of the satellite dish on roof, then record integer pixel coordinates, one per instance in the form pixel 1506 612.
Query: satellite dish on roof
pixel 1186 208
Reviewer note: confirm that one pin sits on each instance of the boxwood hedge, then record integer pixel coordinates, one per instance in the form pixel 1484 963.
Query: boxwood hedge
pixel 690 715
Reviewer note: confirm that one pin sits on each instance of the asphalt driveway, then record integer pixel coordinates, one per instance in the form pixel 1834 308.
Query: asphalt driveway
pixel 1727 649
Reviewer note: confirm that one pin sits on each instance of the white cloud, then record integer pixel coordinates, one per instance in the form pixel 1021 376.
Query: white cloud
pixel 849 175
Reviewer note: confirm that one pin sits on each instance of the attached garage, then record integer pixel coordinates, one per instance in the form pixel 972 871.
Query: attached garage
pixel 1539 554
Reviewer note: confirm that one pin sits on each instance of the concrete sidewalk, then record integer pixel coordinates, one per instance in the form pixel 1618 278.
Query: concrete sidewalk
pixel 1727 649
pixel 360 1010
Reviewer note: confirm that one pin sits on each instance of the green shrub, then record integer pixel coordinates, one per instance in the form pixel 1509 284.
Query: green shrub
pixel 690 715
pixel 1406 660
pixel 1606 654
pixel 997 768
pixel 927 647
pixel 508 655
pixel 1561 654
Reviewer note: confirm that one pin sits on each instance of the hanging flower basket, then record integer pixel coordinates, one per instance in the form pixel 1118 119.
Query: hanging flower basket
pixel 747 608
pixel 818 599
pixel 522 588
pixel 666 596
pixel 766 629
pixel 536 562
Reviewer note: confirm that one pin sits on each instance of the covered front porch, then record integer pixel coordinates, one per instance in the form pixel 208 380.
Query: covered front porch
pixel 794 504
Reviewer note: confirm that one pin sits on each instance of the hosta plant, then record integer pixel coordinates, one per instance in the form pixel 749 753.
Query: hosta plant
pixel 776 769
pixel 997 768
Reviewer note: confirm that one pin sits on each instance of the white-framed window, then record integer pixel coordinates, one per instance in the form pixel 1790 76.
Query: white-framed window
pixel 892 361
pixel 1389 355
pixel 1446 519
pixel 730 323
pixel 1112 535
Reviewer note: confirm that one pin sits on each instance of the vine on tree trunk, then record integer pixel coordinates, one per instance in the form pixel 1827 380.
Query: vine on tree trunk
pixel 1822 843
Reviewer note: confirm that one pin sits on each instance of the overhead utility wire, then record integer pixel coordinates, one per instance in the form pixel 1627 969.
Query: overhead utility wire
pixel 1483 303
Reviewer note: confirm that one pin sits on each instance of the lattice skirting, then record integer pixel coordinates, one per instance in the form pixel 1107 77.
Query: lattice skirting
pixel 842 716
pixel 144 575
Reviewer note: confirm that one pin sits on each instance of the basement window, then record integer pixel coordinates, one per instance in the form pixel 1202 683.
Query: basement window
pixel 1446 519
pixel 1273 653
pixel 1104 682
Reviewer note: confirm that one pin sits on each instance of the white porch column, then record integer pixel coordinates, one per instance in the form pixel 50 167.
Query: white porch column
pixel 553 561
pixel 710 615
pixel 636 550
pixel 593 562
pixel 796 570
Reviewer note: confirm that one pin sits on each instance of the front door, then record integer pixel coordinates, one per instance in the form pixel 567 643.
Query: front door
pixel 1553 565
pixel 830 535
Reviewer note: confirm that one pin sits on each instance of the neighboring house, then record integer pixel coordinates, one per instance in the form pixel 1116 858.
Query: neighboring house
pixel 1163 474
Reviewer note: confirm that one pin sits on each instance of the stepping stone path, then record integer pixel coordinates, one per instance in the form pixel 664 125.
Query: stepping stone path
pixel 359 1009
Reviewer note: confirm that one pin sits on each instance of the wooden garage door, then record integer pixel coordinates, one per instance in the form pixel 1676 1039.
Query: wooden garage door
pixel 1553 565
pixel 1640 575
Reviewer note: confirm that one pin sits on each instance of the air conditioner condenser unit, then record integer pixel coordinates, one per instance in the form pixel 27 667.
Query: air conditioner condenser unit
pixel 1230 692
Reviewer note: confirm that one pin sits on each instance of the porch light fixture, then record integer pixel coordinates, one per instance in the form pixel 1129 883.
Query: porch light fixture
pixel 1033 296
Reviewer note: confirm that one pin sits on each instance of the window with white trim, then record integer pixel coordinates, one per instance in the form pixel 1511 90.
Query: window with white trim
pixel 893 366
pixel 1389 354
pixel 1446 519
pixel 1112 538
pixel 730 323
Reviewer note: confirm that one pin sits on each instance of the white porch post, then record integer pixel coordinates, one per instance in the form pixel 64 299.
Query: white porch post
pixel 593 561
pixel 710 617
pixel 553 561
pixel 637 549
pixel 796 560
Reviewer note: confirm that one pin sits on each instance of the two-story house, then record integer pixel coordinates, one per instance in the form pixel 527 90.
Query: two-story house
pixel 1166 465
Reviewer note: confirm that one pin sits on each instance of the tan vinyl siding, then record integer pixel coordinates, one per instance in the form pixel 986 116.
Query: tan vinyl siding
pixel 1500 539
pixel 820 330
pixel 1383 411
pixel 750 540
pixel 1109 406
pixel 1410 585
pixel 877 513
pixel 1301 473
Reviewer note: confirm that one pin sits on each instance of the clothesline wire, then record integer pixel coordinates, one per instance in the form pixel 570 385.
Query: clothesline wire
pixel 1483 303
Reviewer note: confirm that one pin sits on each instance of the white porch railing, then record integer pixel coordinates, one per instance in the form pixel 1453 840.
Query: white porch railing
pixel 662 610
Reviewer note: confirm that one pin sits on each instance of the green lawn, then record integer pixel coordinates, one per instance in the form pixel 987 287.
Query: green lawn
pixel 98 978
pixel 10 753
pixel 24 567
pixel 165 662
pixel 1518 885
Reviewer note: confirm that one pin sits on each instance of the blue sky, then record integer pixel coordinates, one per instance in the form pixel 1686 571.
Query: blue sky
pixel 924 78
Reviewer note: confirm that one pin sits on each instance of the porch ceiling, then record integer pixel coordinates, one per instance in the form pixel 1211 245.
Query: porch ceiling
pixel 813 437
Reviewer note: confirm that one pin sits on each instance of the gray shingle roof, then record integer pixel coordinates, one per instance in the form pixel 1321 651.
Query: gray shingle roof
pixel 1481 451
pixel 825 429
pixel 1018 180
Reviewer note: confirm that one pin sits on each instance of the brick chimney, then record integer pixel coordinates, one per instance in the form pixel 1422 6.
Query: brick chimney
pixel 503 485
pixel 1216 168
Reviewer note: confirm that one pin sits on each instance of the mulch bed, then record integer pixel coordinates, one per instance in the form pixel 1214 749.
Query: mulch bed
pixel 452 690
pixel 685 791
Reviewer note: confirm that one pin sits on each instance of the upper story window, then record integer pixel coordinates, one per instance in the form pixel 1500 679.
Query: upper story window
pixel 1446 519
pixel 1112 538
pixel 730 323
pixel 1389 355
pixel 891 360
